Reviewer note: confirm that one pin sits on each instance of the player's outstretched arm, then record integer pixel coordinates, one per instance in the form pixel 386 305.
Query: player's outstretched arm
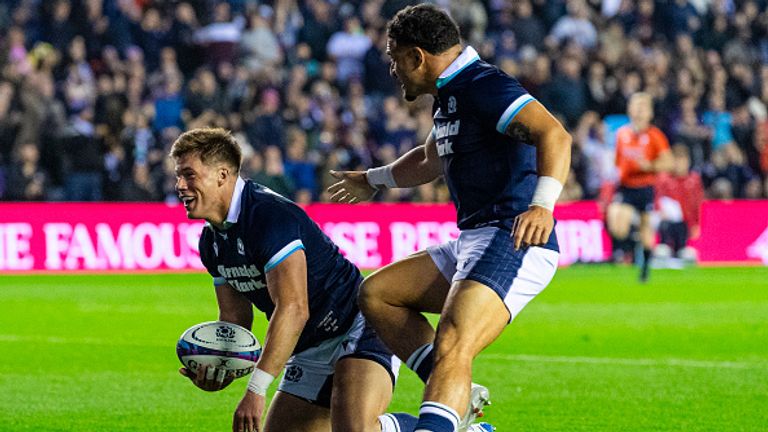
pixel 420 165
pixel 234 308
pixel 287 285
pixel 534 124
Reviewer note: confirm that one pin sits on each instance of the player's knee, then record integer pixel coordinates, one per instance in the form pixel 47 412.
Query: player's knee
pixel 451 346
pixel 619 228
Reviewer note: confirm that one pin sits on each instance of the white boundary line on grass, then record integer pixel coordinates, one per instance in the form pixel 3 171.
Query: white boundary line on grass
pixel 705 364
pixel 660 362
pixel 74 341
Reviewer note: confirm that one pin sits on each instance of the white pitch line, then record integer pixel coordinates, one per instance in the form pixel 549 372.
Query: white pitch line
pixel 71 340
pixel 687 363
pixel 704 364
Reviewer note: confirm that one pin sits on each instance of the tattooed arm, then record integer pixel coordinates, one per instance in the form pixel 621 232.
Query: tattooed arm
pixel 535 125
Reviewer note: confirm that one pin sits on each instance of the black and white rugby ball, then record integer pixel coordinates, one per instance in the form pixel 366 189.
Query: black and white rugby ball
pixel 220 344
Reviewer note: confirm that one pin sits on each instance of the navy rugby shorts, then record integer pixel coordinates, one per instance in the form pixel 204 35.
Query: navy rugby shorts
pixel 309 374
pixel 487 255
pixel 639 198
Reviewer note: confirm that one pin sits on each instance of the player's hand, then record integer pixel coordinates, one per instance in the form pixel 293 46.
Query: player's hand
pixel 209 378
pixel 351 188
pixel 533 227
pixel 248 414
pixel 645 165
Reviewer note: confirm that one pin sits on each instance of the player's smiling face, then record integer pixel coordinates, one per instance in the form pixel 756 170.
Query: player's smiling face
pixel 405 67
pixel 199 188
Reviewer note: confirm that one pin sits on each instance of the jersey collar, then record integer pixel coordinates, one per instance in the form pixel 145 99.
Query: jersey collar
pixel 235 204
pixel 466 58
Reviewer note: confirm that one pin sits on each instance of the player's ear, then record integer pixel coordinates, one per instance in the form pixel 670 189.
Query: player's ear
pixel 417 57
pixel 224 174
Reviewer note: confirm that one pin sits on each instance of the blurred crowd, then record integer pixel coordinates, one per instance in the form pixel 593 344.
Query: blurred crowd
pixel 93 92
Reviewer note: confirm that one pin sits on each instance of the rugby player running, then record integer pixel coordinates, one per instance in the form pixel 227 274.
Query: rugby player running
pixel 504 158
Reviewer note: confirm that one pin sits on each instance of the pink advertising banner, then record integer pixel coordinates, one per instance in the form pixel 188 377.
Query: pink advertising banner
pixel 96 237
pixel 375 235
pixel 129 237
pixel 734 232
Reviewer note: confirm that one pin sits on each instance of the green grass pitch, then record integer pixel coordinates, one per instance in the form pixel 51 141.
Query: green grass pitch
pixel 595 352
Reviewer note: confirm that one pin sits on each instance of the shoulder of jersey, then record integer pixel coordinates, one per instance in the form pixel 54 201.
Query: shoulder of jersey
pixel 656 131
pixel 484 71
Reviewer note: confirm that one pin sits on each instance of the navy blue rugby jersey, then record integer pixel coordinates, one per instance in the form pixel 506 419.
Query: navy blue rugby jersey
pixel 491 176
pixel 262 229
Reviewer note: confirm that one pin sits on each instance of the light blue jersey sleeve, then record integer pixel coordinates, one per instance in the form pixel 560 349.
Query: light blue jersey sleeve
pixel 497 98
pixel 274 235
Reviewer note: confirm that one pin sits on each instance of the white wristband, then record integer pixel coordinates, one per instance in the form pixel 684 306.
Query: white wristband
pixel 381 177
pixel 259 382
pixel 547 191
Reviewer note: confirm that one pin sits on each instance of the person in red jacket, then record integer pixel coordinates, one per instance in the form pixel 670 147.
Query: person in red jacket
pixel 679 197
pixel 642 151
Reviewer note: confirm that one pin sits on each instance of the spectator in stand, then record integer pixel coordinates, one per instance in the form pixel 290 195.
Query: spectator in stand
pixel 528 28
pixel 691 132
pixel 85 159
pixel 567 93
pixel 181 36
pixel 169 105
pixel 598 87
pixel 96 28
pixel 267 169
pixel 575 26
pixel 26 180
pixel 17 51
pixel 728 177
pixel 376 79
pixel 642 151
pixel 347 48
pixel 9 120
pixel 110 103
pixel 761 143
pixel 472 19
pixel 683 18
pixel 259 46
pixel 318 27
pixel 399 128
pixel 639 21
pixel 719 121
pixel 151 36
pixel 743 127
pixel 264 125
pixel 139 187
pixel 80 83
pixel 679 195
pixel 590 141
pixel 117 167
pixel 714 34
pixel 203 96
pixel 59 27
pixel 572 190
pixel 303 173
pixel 220 38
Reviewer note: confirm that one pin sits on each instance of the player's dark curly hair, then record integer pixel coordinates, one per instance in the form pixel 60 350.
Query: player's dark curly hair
pixel 211 144
pixel 425 26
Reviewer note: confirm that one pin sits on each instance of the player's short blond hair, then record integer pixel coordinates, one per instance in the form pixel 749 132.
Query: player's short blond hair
pixel 641 96
pixel 212 145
